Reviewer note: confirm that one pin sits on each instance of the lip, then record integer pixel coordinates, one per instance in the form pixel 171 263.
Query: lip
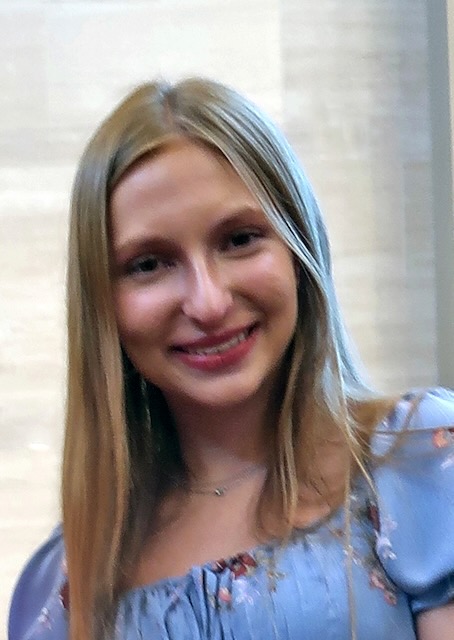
pixel 213 340
pixel 221 361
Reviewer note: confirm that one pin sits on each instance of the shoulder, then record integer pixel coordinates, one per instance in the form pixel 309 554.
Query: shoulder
pixel 423 409
pixel 414 481
pixel 436 404
pixel 414 444
pixel 428 411
pixel 36 608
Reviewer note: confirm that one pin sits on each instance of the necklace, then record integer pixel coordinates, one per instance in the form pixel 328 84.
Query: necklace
pixel 223 487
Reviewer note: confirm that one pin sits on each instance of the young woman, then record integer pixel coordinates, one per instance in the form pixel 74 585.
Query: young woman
pixel 227 472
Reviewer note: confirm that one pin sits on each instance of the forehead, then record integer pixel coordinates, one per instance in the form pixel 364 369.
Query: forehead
pixel 182 171
pixel 185 183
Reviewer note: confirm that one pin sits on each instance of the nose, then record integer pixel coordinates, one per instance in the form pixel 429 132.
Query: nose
pixel 207 297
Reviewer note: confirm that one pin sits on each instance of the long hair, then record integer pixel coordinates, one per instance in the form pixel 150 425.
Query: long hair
pixel 120 443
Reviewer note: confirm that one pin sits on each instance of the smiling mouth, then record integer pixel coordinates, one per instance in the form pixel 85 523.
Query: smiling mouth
pixel 221 347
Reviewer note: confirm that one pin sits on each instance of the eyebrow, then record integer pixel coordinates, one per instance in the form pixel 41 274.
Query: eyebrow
pixel 230 217
pixel 237 214
pixel 138 244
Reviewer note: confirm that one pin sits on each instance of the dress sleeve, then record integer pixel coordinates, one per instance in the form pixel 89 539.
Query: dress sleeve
pixel 415 494
pixel 37 609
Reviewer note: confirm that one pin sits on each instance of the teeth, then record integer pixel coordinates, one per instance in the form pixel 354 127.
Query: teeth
pixel 220 348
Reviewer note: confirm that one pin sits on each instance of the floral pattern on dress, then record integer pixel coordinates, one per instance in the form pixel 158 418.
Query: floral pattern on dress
pixel 443 438
pixel 239 565
pixel 45 618
pixel 58 600
pixel 375 530
pixel 377 538
pixel 53 606
pixel 307 568
pixel 241 568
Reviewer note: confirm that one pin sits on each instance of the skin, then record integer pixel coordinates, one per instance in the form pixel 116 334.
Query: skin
pixel 196 258
pixel 436 624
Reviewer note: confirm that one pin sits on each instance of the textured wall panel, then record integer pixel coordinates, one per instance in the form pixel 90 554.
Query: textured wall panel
pixel 356 107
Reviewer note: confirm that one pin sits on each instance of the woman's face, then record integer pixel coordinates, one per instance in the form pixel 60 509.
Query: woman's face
pixel 205 290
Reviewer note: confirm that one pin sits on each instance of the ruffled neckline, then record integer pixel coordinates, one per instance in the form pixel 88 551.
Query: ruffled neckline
pixel 239 563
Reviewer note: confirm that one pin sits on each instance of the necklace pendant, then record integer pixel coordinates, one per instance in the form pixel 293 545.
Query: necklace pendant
pixel 219 491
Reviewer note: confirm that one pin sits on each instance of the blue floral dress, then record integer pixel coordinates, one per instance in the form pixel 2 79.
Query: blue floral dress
pixel 398 561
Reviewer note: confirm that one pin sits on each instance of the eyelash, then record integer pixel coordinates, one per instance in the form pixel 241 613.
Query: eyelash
pixel 134 267
pixel 250 234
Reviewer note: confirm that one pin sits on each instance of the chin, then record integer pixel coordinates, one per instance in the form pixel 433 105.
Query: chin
pixel 230 396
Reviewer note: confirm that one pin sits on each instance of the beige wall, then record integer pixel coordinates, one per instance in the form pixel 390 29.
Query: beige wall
pixel 357 108
pixel 441 38
pixel 450 27
pixel 347 81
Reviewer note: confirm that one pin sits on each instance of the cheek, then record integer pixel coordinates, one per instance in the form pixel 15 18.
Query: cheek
pixel 276 282
pixel 140 316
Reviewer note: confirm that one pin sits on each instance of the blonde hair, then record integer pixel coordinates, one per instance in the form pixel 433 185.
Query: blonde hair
pixel 117 453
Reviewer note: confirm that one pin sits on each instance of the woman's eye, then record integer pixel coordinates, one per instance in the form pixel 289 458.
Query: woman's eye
pixel 147 264
pixel 242 238
pixel 144 265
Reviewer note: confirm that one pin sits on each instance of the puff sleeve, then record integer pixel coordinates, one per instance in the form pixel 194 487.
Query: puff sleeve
pixel 415 493
pixel 37 609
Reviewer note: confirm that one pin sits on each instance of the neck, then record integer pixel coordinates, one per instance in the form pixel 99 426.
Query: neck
pixel 217 443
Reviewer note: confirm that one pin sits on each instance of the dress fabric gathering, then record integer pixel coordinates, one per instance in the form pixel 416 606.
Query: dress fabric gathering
pixel 398 560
